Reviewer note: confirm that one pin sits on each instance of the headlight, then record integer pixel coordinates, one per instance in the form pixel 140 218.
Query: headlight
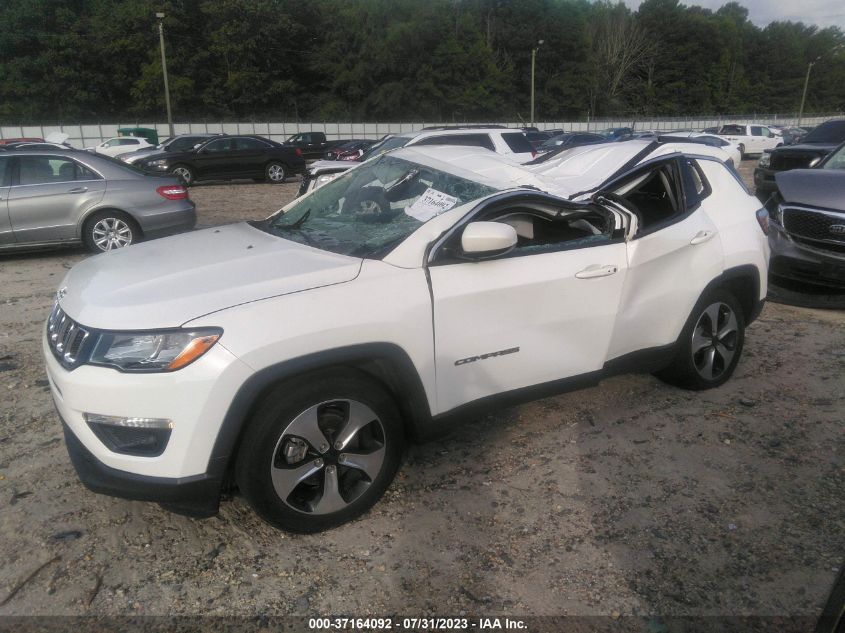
pixel 161 162
pixel 765 160
pixel 153 351
pixel 322 180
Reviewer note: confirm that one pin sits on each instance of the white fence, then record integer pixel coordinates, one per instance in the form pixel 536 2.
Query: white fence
pixel 89 135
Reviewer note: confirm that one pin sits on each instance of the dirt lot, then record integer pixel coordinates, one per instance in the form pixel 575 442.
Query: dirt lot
pixel 629 498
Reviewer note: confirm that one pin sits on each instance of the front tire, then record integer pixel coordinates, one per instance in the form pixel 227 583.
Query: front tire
pixel 710 344
pixel 109 230
pixel 184 173
pixel 320 450
pixel 275 173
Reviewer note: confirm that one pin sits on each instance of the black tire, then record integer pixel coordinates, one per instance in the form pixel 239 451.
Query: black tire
pixel 109 230
pixel 183 173
pixel 263 455
pixel 275 172
pixel 696 367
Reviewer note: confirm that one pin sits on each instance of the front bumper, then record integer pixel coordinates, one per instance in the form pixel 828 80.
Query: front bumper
pixel 188 474
pixel 196 496
pixel 799 262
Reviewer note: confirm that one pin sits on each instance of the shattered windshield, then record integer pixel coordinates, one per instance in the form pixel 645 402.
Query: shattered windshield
pixel 369 210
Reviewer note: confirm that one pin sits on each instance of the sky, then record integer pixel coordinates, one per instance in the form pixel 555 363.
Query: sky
pixel 819 12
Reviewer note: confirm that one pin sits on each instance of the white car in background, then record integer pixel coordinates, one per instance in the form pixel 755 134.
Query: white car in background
pixel 121 145
pixel 294 355
pixel 509 142
pixel 752 140
pixel 729 147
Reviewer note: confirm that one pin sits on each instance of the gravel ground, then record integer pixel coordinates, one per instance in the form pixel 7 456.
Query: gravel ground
pixel 632 497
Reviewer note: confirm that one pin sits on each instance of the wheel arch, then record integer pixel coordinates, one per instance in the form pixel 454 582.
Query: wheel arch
pixel 89 213
pixel 744 283
pixel 386 363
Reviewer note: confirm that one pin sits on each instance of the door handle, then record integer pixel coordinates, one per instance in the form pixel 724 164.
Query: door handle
pixel 596 270
pixel 78 190
pixel 702 236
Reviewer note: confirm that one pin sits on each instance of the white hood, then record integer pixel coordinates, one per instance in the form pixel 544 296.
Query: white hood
pixel 319 166
pixel 166 282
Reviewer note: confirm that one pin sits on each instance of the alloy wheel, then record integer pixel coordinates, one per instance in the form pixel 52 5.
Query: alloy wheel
pixel 184 173
pixel 328 456
pixel 714 340
pixel 111 233
pixel 276 173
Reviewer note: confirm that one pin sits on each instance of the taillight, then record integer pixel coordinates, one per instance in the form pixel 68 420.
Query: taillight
pixel 298 152
pixel 172 192
pixel 763 220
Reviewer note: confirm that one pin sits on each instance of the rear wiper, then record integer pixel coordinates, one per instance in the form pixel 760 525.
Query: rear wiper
pixel 293 226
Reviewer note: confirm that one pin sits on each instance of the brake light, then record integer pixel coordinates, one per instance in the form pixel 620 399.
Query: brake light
pixel 298 152
pixel 172 192
pixel 763 220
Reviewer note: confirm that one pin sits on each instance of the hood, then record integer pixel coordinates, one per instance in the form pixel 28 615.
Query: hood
pixel 322 166
pixel 166 282
pixel 820 149
pixel 824 188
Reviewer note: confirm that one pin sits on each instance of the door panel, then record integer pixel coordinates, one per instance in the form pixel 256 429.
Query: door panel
pixel 667 270
pixel 520 321
pixel 7 236
pixel 51 211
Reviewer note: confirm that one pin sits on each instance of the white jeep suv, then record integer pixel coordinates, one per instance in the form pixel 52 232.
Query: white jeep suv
pixel 293 356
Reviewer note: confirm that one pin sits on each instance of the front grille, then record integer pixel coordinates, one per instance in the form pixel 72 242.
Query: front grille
pixel 783 161
pixel 823 227
pixel 65 337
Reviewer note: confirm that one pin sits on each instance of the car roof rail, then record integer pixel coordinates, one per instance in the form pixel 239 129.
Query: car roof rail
pixel 463 127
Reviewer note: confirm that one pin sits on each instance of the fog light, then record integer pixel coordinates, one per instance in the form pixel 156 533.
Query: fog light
pixel 147 437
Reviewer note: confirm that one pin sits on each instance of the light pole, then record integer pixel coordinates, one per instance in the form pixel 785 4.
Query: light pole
pixel 807 81
pixel 533 58
pixel 160 17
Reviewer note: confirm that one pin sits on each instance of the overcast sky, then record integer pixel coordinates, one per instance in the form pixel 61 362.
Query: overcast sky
pixel 761 12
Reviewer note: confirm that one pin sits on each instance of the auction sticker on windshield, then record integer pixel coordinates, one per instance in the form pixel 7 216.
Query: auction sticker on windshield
pixel 430 204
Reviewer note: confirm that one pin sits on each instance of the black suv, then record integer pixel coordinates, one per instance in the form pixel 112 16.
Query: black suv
pixel 815 146
pixel 228 158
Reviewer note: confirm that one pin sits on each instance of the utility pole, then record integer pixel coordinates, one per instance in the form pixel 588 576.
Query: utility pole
pixel 160 17
pixel 533 58
pixel 807 81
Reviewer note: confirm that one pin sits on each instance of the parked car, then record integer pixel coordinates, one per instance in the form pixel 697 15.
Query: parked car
pixel 570 139
pixel 120 145
pixel 815 146
pixel 148 133
pixel 228 158
pixel 752 140
pixel 537 138
pixel 313 145
pixel 793 135
pixel 505 141
pixel 350 150
pixel 178 143
pixel 808 225
pixel 294 355
pixel 617 133
pixel 729 147
pixel 64 197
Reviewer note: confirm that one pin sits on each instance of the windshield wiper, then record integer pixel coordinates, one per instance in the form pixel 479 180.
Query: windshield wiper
pixel 294 226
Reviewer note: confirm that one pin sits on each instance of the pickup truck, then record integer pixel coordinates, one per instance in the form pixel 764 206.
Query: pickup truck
pixel 313 145
pixel 751 139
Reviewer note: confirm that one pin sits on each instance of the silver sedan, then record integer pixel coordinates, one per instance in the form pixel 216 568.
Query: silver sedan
pixel 57 197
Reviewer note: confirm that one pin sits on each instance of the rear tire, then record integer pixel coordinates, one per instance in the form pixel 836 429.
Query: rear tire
pixel 710 344
pixel 275 173
pixel 109 230
pixel 320 450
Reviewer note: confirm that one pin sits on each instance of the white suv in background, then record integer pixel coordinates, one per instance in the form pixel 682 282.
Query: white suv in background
pixel 121 145
pixel 751 140
pixel 293 356
pixel 509 142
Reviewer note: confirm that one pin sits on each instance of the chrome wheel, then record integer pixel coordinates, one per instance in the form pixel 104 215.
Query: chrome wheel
pixel 111 233
pixel 276 173
pixel 328 456
pixel 714 340
pixel 184 173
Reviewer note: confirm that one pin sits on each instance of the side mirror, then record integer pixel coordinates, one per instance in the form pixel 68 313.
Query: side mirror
pixel 815 161
pixel 481 240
